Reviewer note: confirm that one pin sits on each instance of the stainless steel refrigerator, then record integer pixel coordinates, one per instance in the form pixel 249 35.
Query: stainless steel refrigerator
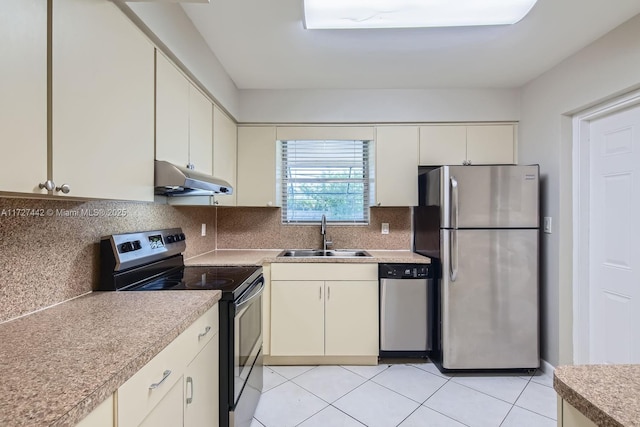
pixel 481 225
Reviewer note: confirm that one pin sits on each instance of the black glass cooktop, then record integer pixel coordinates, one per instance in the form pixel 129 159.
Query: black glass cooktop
pixel 226 279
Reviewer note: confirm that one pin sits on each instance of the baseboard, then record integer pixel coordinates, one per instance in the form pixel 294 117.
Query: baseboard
pixel 320 360
pixel 546 367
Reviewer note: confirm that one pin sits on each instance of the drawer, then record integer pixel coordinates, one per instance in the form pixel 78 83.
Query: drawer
pixel 136 398
pixel 200 332
pixel 323 271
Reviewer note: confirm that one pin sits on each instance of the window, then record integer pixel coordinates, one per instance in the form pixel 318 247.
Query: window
pixel 329 177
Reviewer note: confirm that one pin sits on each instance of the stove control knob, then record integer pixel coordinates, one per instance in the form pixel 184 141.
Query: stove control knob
pixel 126 247
pixel 182 236
pixel 136 245
pixel 169 239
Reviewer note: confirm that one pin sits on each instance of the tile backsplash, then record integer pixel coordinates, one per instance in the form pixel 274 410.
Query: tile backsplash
pixel 261 228
pixel 49 248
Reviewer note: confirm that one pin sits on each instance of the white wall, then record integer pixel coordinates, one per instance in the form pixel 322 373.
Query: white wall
pixel 607 68
pixel 351 106
pixel 173 27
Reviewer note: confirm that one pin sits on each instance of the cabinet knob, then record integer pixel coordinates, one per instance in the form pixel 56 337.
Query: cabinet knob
pixel 379 204
pixel 269 203
pixel 215 202
pixel 64 188
pixel 47 185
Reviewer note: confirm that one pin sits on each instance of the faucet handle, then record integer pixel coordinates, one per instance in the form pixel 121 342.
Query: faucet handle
pixel 328 243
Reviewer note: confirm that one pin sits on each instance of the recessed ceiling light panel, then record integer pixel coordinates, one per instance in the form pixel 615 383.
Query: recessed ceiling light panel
pixel 334 14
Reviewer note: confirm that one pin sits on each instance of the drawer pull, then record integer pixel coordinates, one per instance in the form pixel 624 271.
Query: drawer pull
pixel 165 375
pixel 203 334
pixel 190 389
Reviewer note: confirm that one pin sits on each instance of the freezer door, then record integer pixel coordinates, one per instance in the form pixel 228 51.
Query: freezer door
pixel 489 299
pixel 504 196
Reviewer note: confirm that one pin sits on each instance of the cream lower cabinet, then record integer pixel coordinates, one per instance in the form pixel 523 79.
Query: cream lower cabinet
pixel 102 416
pixel 569 416
pixel 333 317
pixel 179 386
pixel 467 144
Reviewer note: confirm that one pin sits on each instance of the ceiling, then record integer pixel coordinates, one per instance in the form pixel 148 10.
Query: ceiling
pixel 263 45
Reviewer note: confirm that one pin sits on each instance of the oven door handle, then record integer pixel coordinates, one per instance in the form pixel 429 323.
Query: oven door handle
pixel 251 295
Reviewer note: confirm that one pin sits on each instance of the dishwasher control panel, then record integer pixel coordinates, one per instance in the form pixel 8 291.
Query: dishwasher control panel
pixel 405 271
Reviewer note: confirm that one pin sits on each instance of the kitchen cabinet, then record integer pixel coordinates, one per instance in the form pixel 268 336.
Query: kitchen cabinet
pixel 266 310
pixel 102 103
pixel 184 120
pixel 157 394
pixel 257 170
pixel 101 416
pixel 467 144
pixel 569 416
pixel 336 314
pixel 23 104
pixel 396 173
pixel 225 143
pixel 201 388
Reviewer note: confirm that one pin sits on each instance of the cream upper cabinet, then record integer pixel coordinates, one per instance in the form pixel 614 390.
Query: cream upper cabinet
pixel 23 103
pixel 396 174
pixel 200 131
pixel 257 159
pixel 467 144
pixel 102 103
pixel 184 120
pixel 172 113
pixel 225 142
pixel 334 316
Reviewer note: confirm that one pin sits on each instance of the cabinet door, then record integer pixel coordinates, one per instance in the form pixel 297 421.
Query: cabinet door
pixel 102 102
pixel 443 145
pixel 201 387
pixel 172 113
pixel 200 131
pixel 490 144
pixel 351 318
pixel 101 416
pixel 225 142
pixel 168 412
pixel 257 180
pixel 23 103
pixel 396 166
pixel 297 318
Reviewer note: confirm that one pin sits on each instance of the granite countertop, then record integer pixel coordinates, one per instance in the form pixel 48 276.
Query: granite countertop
pixel 60 363
pixel 609 395
pixel 266 256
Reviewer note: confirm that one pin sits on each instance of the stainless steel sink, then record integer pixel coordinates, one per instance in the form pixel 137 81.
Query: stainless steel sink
pixel 311 253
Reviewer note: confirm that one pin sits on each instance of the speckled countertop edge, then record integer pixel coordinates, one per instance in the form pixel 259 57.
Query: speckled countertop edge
pixel 608 395
pixel 269 256
pixel 59 364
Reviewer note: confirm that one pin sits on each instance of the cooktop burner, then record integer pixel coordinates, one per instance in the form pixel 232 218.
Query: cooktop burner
pixel 225 279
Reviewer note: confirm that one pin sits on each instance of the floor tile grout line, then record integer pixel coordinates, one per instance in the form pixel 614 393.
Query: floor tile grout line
pixel 506 415
pixel 348 415
pixel 487 394
pixel 535 412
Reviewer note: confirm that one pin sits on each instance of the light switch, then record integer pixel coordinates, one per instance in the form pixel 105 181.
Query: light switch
pixel 547 225
pixel 385 228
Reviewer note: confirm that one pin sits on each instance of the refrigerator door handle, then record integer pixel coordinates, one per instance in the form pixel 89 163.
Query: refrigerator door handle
pixel 454 203
pixel 453 255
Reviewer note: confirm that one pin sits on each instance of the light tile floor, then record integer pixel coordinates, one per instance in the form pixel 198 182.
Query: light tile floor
pixel 402 395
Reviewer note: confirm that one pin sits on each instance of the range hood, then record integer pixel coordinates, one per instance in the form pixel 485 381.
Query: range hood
pixel 172 181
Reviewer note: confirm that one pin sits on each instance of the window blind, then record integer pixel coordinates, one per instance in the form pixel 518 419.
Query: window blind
pixel 329 177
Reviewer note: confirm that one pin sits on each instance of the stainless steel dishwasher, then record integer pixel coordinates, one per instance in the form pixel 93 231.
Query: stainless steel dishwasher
pixel 406 312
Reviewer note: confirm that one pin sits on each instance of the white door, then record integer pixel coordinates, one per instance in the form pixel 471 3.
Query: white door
pixel 614 336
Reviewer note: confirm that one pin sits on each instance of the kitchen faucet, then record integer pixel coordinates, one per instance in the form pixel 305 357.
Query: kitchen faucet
pixel 323 231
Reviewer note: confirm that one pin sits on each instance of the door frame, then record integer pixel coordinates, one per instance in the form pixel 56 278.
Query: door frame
pixel 581 190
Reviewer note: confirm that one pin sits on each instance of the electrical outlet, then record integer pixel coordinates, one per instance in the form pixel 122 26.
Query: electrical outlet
pixel 547 225
pixel 385 228
pixel 204 230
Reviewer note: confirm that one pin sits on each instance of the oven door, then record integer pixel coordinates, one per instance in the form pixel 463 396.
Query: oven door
pixel 247 340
